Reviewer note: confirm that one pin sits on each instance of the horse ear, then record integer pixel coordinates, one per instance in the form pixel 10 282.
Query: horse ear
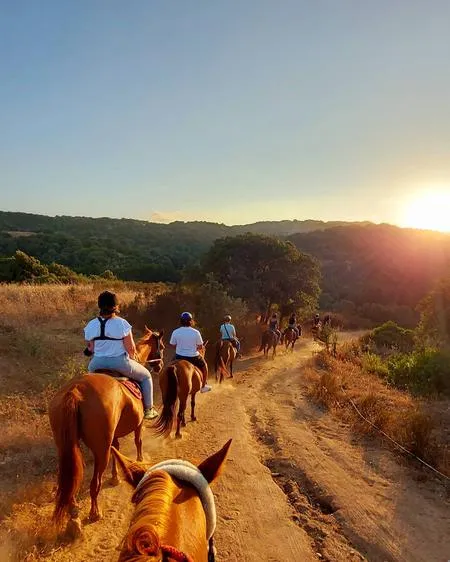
pixel 212 466
pixel 132 471
pixel 205 343
pixel 147 329
pixel 161 334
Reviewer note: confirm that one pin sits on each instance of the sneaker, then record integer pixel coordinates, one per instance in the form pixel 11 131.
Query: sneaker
pixel 206 388
pixel 150 414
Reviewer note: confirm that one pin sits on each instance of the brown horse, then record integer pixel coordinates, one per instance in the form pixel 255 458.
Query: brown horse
pixel 269 340
pixel 175 510
pixel 225 355
pixel 289 338
pixel 98 409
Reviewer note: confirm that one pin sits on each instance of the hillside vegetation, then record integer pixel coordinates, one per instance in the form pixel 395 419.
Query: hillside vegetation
pixel 371 273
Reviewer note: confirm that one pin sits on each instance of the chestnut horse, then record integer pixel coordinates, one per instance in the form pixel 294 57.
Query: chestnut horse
pixel 175 515
pixel 98 409
pixel 225 355
pixel 290 337
pixel 269 340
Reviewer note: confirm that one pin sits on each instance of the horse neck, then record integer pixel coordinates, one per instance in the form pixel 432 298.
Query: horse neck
pixel 166 514
pixel 143 349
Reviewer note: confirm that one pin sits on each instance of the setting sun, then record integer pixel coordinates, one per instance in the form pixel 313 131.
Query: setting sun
pixel 429 210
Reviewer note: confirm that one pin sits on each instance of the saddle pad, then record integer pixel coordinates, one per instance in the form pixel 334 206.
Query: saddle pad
pixel 133 387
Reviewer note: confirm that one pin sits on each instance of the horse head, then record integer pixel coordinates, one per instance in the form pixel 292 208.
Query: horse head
pixel 175 508
pixel 150 349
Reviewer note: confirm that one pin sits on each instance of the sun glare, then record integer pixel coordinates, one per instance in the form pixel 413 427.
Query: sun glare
pixel 429 210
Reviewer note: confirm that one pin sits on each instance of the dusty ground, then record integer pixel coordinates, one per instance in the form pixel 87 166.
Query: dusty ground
pixel 298 485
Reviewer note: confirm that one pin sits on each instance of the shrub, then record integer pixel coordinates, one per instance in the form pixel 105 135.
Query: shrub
pixel 374 364
pixel 390 336
pixel 422 372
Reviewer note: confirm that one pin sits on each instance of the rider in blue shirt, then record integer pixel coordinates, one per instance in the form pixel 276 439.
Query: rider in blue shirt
pixel 228 332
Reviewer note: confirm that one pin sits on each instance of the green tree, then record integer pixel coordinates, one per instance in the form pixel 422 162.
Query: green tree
pixel 264 272
pixel 434 326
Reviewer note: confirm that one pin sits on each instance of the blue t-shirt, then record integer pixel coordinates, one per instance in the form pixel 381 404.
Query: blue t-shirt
pixel 228 331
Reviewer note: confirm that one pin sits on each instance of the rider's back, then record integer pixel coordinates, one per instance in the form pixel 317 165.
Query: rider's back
pixel 186 340
pixel 115 327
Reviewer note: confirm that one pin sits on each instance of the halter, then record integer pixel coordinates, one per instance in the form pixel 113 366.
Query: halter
pixel 187 472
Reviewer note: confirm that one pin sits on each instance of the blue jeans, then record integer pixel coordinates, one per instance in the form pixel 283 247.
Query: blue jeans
pixel 235 341
pixel 128 368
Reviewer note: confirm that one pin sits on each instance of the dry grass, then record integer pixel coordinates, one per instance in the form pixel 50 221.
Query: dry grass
pixel 41 343
pixel 337 383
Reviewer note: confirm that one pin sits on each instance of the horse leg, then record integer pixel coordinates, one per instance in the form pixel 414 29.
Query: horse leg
pixel 180 417
pixel 115 480
pixel 193 418
pixel 101 460
pixel 73 528
pixel 138 442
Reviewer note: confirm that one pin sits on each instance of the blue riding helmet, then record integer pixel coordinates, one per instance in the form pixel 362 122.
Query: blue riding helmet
pixel 186 316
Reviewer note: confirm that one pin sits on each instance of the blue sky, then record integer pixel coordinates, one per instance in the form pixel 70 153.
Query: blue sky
pixel 223 110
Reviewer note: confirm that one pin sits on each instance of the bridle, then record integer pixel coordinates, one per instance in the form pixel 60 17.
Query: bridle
pixel 158 355
pixel 172 553
pixel 189 473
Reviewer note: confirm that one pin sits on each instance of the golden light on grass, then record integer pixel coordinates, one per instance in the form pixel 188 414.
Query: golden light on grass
pixel 429 210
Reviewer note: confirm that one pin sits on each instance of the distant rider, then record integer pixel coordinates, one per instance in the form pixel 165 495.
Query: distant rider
pixel 228 333
pixel 188 343
pixel 274 325
pixel 116 349
pixel 292 325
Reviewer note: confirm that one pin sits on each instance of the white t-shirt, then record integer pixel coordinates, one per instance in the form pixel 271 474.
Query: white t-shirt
pixel 186 339
pixel 228 331
pixel 115 327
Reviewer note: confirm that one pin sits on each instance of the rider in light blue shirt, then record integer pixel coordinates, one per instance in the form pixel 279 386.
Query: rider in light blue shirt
pixel 228 332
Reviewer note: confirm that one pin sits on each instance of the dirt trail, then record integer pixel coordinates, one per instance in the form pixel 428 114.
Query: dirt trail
pixel 297 485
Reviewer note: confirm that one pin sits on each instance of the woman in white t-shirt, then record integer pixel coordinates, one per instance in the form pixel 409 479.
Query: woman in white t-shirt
pixel 188 343
pixel 113 348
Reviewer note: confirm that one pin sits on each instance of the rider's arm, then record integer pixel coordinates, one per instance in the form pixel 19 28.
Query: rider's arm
pixel 129 345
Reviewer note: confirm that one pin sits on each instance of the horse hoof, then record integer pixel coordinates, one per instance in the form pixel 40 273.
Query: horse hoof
pixel 115 481
pixel 93 517
pixel 140 458
pixel 193 418
pixel 177 435
pixel 183 424
pixel 73 529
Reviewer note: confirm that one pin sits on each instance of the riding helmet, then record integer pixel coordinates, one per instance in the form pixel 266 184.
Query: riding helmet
pixel 186 316
pixel 227 318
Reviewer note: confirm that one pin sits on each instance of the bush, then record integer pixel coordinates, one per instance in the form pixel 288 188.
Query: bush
pixel 422 372
pixel 390 336
pixel 374 364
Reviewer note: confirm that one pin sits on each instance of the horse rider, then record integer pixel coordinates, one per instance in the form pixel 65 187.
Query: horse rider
pixel 316 320
pixel 274 325
pixel 188 343
pixel 228 333
pixel 292 325
pixel 110 343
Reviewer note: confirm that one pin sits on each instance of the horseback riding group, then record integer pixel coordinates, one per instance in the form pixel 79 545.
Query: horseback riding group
pixel 114 398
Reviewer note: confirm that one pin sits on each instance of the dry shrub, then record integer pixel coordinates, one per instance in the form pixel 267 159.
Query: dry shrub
pixel 337 384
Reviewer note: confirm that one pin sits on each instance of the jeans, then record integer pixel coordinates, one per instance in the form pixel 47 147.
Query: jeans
pixel 235 341
pixel 128 368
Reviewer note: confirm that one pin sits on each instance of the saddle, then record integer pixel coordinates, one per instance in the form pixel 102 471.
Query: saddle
pixel 130 384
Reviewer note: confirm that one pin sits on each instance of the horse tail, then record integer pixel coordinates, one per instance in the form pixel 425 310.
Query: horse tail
pixel 168 382
pixel 70 469
pixel 218 356
pixel 263 341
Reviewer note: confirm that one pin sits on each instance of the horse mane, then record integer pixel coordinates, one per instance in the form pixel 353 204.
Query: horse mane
pixel 150 519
